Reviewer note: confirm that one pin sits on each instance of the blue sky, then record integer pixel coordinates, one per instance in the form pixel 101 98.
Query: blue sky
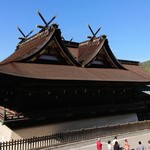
pixel 126 23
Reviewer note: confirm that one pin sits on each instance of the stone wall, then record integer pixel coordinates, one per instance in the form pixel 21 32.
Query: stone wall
pixel 6 134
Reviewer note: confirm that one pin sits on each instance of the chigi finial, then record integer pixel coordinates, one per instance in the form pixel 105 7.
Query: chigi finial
pixel 94 34
pixel 46 23
pixel 24 36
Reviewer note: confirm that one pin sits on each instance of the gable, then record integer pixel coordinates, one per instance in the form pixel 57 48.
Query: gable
pixel 51 54
pixel 47 47
pixel 102 60
pixel 97 54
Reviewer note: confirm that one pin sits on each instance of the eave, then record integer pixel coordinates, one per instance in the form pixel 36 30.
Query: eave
pixel 71 73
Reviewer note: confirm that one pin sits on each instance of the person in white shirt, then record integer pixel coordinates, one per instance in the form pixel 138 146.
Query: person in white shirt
pixel 140 146
pixel 114 141
pixel 109 145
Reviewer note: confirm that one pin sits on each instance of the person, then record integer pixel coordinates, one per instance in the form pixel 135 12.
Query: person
pixel 126 145
pixel 148 145
pixel 116 146
pixel 109 145
pixel 114 141
pixel 140 146
pixel 99 144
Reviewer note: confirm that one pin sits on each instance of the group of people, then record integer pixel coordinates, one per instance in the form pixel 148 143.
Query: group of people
pixel 114 145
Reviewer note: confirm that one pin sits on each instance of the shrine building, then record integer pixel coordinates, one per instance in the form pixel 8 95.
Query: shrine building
pixel 49 78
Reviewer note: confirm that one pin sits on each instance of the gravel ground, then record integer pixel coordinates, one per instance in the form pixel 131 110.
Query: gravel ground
pixel 133 138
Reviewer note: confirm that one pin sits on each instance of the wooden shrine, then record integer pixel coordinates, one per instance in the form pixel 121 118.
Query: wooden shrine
pixel 49 78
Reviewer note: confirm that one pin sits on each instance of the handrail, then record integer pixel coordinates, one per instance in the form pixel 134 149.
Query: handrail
pixel 7 115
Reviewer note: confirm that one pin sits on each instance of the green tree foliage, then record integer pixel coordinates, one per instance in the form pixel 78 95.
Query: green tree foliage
pixel 146 65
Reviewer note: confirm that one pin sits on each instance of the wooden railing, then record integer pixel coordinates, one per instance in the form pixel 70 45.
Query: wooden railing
pixel 73 136
pixel 7 115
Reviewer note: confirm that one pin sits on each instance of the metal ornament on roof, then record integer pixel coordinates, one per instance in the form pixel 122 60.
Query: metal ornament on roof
pixel 71 39
pixel 65 40
pixel 46 23
pixel 24 36
pixel 94 34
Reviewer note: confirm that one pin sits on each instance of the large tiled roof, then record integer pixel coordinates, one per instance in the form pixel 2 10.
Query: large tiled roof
pixel 61 72
pixel 138 70
pixel 79 58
